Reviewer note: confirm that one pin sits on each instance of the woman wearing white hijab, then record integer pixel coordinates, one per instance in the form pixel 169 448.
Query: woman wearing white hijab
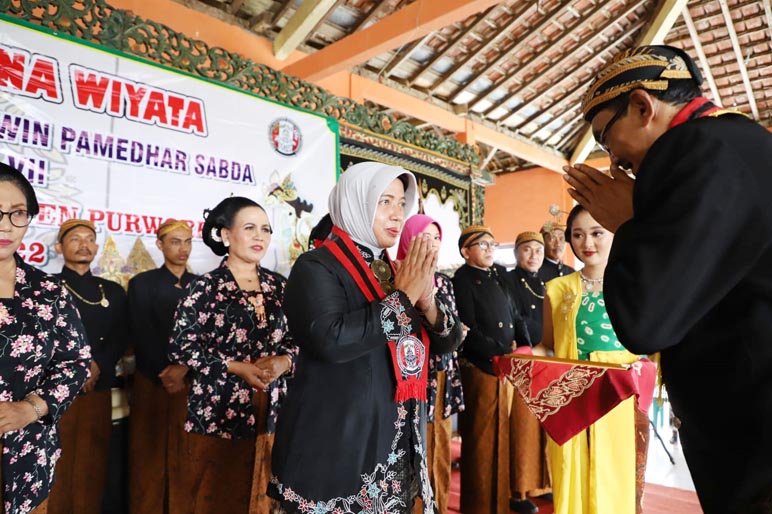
pixel 349 437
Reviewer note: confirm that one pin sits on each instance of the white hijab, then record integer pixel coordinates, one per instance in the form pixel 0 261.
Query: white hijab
pixel 354 199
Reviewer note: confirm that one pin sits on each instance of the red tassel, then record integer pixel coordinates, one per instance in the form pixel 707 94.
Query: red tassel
pixel 411 388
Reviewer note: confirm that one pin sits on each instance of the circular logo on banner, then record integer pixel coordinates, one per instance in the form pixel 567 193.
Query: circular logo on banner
pixel 410 355
pixel 285 136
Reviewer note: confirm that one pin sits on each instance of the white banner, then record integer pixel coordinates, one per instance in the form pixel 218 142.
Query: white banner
pixel 128 144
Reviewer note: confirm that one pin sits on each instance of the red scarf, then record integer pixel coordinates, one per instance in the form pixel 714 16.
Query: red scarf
pixel 700 107
pixel 410 352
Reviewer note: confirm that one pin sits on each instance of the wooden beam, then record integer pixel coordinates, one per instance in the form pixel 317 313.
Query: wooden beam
pixel 655 35
pixel 572 109
pixel 556 137
pixel 716 42
pixel 578 46
pixel 382 94
pixel 299 26
pixel 517 75
pixel 386 96
pixel 510 52
pixel 480 20
pixel 768 14
pixel 558 81
pixel 490 156
pixel 566 140
pixel 567 73
pixel 701 54
pixel 234 7
pixel 520 148
pixel 323 19
pixel 399 60
pixel 740 59
pixel 282 10
pixel 409 23
pixel 715 17
pixel 583 149
pixel 517 18
pixel 468 136
pixel 663 22
pixel 370 16
pixel 563 102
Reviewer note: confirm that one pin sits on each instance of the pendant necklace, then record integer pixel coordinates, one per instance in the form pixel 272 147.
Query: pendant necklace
pixel 589 283
pixel 104 302
pixel 258 301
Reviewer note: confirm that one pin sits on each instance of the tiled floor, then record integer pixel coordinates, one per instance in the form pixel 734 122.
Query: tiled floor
pixel 669 487
pixel 659 469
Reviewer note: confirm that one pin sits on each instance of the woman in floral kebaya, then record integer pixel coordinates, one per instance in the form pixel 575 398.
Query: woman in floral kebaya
pixel 44 358
pixel 445 395
pixel 230 331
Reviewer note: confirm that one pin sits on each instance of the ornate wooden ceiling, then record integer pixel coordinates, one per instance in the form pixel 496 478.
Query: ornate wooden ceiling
pixel 521 67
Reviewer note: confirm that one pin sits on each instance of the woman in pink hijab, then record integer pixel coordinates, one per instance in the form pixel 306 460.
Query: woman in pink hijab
pixel 444 395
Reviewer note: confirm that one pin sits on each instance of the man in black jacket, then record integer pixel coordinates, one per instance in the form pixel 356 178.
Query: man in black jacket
pixel 526 284
pixel 495 328
pixel 85 428
pixel 529 469
pixel 159 399
pixel 690 270
pixel 554 247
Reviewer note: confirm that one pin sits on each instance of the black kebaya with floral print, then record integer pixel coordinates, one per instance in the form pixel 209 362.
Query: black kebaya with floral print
pixel 43 351
pixel 376 462
pixel 453 401
pixel 217 323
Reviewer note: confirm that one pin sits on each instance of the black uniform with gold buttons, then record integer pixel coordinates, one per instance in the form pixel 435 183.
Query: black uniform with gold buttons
pixel 527 291
pixel 550 270
pixel 485 306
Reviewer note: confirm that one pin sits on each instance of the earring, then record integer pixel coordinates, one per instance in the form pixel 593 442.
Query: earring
pixel 226 244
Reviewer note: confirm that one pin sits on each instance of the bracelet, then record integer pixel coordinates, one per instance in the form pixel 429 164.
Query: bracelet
pixel 38 410
pixel 290 363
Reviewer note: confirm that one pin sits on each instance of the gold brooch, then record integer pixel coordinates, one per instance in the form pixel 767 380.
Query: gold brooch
pixel 568 304
pixel 382 272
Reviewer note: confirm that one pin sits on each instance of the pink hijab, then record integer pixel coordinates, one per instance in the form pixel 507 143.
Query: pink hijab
pixel 414 226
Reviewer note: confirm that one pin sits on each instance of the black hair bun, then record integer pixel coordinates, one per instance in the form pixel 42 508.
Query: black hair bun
pixel 220 217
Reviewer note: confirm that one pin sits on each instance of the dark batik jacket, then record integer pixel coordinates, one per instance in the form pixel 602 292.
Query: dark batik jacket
pixel 215 324
pixel 343 444
pixel 153 298
pixel 43 350
pixel 453 401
